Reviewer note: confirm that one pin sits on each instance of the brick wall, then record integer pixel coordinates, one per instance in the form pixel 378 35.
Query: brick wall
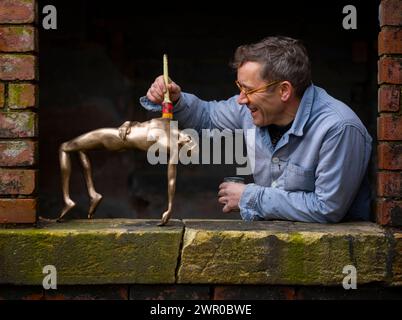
pixel 18 114
pixel 389 129
pixel 197 292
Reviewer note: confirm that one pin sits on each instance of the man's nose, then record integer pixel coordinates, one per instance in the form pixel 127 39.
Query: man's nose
pixel 242 98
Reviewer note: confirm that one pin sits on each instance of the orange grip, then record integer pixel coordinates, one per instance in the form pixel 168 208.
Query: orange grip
pixel 167 110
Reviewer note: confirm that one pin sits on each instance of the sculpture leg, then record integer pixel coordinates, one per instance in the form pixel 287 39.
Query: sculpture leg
pixel 106 138
pixel 65 165
pixel 171 174
pixel 94 197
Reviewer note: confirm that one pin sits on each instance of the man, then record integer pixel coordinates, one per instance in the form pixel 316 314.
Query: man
pixel 311 150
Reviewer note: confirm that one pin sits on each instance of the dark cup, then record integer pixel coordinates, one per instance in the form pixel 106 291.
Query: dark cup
pixel 234 179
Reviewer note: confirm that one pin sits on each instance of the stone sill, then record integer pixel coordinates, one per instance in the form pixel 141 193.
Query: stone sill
pixel 124 251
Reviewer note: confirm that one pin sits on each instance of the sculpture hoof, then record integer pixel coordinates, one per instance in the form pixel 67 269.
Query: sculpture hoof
pixel 94 202
pixel 165 219
pixel 69 205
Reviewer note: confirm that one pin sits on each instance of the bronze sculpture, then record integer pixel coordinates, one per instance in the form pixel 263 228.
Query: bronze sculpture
pixel 130 135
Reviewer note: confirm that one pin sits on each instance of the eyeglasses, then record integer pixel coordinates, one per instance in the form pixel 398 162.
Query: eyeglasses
pixel 260 89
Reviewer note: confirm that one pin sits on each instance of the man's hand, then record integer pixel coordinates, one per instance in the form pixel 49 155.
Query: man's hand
pixel 229 195
pixel 124 130
pixel 156 91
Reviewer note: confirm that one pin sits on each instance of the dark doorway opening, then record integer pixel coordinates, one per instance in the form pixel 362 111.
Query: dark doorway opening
pixel 104 55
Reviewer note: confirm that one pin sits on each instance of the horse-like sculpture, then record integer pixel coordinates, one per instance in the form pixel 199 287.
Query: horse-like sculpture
pixel 130 135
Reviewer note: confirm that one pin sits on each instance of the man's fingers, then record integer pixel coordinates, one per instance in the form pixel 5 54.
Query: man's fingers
pixel 154 98
pixel 222 200
pixel 222 192
pixel 173 87
pixel 226 209
pixel 160 86
pixel 223 185
pixel 156 92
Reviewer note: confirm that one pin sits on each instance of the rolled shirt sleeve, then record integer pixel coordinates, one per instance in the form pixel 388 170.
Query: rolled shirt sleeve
pixel 342 164
pixel 192 112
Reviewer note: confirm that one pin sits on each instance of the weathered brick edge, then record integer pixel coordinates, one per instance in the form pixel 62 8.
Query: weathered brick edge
pixel 18 111
pixel 389 123
pixel 197 292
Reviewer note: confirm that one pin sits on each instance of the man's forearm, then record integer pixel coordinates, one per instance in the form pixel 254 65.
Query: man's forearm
pixel 268 203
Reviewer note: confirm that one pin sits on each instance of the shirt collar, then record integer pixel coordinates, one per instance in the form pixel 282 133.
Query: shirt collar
pixel 303 112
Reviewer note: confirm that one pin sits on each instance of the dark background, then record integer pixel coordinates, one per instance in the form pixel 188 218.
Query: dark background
pixel 104 55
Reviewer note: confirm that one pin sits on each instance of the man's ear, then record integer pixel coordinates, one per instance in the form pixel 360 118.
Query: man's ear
pixel 286 91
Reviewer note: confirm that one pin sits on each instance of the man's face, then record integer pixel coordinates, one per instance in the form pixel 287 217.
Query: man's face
pixel 266 106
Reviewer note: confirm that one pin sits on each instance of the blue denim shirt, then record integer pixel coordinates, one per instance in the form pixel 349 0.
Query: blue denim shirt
pixel 317 172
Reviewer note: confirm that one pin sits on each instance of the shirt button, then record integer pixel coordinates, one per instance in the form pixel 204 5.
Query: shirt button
pixel 275 160
pixel 273 184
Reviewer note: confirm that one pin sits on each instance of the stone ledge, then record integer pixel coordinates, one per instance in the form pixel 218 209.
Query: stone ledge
pixel 279 252
pixel 232 252
pixel 92 252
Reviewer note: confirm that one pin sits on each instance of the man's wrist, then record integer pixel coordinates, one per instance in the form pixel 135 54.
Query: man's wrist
pixel 248 201
pixel 176 101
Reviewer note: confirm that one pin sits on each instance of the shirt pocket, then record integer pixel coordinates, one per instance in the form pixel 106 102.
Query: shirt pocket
pixel 298 178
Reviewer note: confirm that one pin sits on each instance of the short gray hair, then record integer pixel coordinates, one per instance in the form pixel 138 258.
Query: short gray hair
pixel 282 58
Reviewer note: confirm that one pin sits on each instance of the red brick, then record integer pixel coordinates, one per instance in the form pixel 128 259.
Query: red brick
pixel 390 13
pixel 21 95
pixel 254 292
pixel 169 292
pixel 17 39
pixel 85 292
pixel 17 292
pixel 389 127
pixel 389 156
pixel 389 70
pixel 389 184
pixel 17 210
pixel 363 292
pixel 18 153
pixel 389 98
pixel 18 124
pixel 390 41
pixel 389 212
pixel 17 181
pixel 17 67
pixel 17 11
pixel 2 95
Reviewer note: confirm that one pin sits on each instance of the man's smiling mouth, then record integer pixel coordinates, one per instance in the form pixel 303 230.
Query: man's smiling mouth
pixel 253 110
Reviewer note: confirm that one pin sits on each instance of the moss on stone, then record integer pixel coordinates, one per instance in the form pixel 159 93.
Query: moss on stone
pixel 105 251
pixel 279 253
pixel 85 254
